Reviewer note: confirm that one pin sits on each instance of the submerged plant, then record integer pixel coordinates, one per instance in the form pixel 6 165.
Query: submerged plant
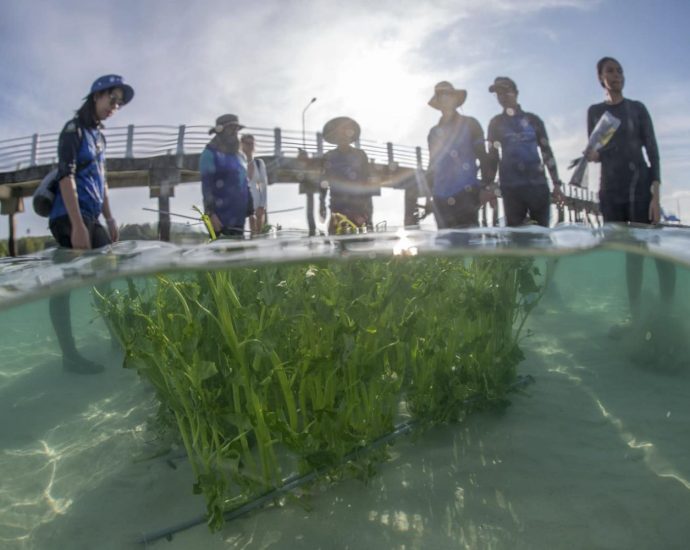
pixel 281 368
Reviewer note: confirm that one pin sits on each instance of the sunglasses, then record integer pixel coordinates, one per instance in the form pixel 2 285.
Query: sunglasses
pixel 116 101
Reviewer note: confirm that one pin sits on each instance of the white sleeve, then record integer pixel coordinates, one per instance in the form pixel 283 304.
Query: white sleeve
pixel 264 175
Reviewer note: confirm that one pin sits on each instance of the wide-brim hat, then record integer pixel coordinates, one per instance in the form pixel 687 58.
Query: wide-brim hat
pixel 225 120
pixel 342 125
pixel 445 87
pixel 109 81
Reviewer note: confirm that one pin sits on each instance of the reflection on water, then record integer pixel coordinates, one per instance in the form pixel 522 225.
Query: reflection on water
pixel 594 454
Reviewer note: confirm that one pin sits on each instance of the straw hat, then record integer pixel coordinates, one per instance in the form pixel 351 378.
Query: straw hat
pixel 341 126
pixel 445 87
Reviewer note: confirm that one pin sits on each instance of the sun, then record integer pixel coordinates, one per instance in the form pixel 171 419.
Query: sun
pixel 379 89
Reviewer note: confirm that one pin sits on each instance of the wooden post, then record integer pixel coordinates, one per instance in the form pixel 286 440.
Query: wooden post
pixel 418 154
pixel 34 150
pixel 129 149
pixel 12 206
pixel 11 243
pixel 310 214
pixel 411 191
pixel 277 142
pixel 180 146
pixel 319 144
pixel 391 157
pixel 163 180
pixel 164 218
pixel 411 197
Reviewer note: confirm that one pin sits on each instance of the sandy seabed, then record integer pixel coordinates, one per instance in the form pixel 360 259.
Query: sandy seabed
pixel 594 454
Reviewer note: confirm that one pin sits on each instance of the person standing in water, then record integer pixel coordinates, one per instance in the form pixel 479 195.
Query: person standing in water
pixel 224 185
pixel 456 144
pixel 258 184
pixel 346 171
pixel 629 188
pixel 520 136
pixel 81 198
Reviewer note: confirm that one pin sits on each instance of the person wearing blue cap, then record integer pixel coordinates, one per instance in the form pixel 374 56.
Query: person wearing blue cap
pixel 82 196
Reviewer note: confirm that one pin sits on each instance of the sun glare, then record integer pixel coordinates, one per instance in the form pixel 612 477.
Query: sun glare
pixel 379 89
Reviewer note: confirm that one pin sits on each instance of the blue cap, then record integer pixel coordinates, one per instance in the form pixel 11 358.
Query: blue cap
pixel 113 81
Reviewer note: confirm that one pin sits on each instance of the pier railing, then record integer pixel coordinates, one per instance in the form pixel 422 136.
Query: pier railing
pixel 149 140
pixel 153 140
pixel 160 157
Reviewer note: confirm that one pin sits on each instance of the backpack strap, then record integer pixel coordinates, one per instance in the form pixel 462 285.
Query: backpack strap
pixel 80 134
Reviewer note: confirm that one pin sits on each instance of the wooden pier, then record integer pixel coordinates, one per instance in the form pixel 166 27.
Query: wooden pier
pixel 162 157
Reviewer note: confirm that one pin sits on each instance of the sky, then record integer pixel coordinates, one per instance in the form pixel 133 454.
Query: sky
pixel 375 61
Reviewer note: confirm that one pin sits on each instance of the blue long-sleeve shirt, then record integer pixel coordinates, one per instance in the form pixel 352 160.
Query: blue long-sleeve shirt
pixel 224 186
pixel 520 136
pixel 81 154
pixel 455 147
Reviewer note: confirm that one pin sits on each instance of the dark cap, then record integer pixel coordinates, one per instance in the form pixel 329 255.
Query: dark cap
pixel 503 83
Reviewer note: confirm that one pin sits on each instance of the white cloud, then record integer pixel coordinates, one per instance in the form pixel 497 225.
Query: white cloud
pixel 190 62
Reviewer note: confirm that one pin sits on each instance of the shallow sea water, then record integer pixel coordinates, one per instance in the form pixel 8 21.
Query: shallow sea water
pixel 593 454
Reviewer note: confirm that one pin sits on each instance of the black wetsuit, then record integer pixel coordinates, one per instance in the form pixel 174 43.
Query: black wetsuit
pixel 626 178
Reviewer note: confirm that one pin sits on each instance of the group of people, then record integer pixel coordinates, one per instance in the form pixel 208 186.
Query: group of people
pixel 234 182
pixel 458 152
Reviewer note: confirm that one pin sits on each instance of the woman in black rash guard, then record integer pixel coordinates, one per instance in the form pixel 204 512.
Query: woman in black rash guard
pixel 629 190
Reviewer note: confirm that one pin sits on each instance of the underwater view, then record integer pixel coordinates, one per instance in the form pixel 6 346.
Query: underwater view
pixel 344 276
pixel 460 389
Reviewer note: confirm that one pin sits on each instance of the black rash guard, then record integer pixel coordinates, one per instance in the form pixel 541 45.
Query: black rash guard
pixel 625 174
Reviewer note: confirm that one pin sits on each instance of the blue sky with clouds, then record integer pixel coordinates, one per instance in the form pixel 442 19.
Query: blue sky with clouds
pixel 375 61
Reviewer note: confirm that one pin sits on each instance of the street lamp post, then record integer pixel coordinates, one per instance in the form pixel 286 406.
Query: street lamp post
pixel 304 139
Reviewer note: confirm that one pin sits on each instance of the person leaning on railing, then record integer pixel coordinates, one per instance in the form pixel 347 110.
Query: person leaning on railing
pixel 82 197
